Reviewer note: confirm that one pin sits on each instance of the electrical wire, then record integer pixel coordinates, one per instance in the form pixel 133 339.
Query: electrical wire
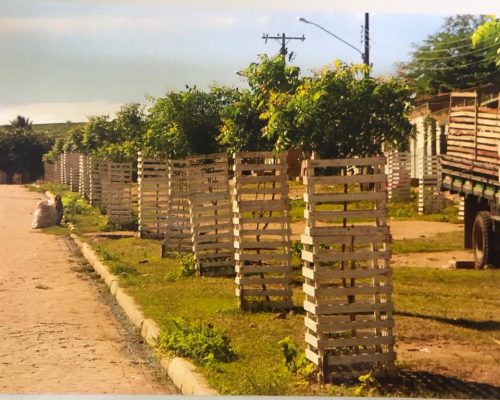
pixel 456 66
pixel 456 55
pixel 455 47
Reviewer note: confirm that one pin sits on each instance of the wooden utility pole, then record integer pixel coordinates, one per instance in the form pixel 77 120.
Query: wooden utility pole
pixel 284 40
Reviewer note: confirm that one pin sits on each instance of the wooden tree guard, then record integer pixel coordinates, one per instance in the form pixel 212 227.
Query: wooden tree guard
pixel 177 237
pixel 347 268
pixel 262 231
pixel 74 171
pixel 399 175
pixel 64 169
pixel 97 169
pixel 118 196
pixel 430 199
pixel 211 214
pixel 49 172
pixel 153 196
pixel 84 176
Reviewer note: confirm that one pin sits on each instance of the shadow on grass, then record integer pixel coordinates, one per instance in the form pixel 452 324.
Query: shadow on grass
pixel 490 325
pixel 426 384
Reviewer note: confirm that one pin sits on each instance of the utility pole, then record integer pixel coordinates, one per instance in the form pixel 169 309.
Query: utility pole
pixel 366 54
pixel 284 41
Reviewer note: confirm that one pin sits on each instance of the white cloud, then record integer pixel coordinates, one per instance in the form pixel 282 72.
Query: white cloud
pixel 94 25
pixel 41 113
pixel 441 7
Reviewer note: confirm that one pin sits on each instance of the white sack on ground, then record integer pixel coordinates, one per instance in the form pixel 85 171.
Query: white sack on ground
pixel 45 215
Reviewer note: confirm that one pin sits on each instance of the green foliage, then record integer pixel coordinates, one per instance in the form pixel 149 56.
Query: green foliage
pixel 123 269
pixel 187 264
pixel 21 150
pixel 116 140
pixel 202 342
pixel 448 60
pixel 487 37
pixel 186 122
pixel 246 120
pixel 295 361
pixel 342 112
pixel 366 385
pixel 297 248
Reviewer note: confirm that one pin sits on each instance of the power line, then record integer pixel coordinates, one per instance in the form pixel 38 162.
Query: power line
pixel 454 48
pixel 455 66
pixel 456 55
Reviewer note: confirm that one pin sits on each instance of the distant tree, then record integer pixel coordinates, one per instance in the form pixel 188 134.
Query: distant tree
pixel 22 123
pixel 21 150
pixel 448 60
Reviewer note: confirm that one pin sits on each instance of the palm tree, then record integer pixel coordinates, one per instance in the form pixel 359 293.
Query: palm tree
pixel 22 123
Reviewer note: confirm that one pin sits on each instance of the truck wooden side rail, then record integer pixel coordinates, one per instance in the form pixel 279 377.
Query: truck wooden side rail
pixel 471 167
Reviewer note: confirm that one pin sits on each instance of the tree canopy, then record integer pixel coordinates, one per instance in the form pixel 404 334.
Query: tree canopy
pixel 22 150
pixel 338 112
pixel 450 60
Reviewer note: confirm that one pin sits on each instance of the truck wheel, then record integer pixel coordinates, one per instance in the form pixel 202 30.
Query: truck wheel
pixel 482 240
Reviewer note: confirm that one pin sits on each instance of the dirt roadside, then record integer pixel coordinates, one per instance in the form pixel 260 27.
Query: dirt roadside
pixel 58 335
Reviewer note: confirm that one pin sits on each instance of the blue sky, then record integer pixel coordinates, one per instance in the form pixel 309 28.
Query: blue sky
pixel 65 59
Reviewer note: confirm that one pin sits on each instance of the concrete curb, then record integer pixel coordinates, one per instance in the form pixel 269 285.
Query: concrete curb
pixel 181 371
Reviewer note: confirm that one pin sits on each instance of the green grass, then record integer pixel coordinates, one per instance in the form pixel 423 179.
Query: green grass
pixel 452 305
pixel 448 241
pixel 454 302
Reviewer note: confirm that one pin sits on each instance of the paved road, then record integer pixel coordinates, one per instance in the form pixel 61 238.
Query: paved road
pixel 56 334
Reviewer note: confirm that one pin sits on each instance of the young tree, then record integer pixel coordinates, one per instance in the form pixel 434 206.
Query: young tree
pixel 245 121
pixel 342 112
pixel 448 60
pixel 186 122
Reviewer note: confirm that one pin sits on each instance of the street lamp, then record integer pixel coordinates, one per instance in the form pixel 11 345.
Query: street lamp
pixel 364 56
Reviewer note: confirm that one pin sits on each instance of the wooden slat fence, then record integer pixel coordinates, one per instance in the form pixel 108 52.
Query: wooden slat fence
pixel 211 214
pixel 178 237
pixel 262 231
pixel 430 199
pixel 399 175
pixel 347 268
pixel 152 177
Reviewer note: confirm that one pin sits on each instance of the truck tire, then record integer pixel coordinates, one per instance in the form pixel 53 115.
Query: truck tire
pixel 482 240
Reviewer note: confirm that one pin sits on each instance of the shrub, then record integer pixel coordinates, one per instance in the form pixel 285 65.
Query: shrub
pixel 202 342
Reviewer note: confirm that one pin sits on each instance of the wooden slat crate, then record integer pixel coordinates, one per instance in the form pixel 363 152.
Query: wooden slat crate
pixel 118 198
pixel 399 175
pixel 178 237
pixel 262 231
pixel 152 178
pixel 64 167
pixel 49 172
pixel 73 167
pixel 430 199
pixel 347 270
pixel 84 176
pixel 211 214
pixel 97 169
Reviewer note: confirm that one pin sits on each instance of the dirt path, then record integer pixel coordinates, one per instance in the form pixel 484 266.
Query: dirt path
pixel 56 334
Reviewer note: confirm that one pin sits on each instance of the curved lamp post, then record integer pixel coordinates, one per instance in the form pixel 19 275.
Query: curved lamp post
pixel 363 55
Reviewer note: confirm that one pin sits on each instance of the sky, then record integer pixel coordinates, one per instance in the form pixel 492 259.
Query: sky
pixel 62 60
